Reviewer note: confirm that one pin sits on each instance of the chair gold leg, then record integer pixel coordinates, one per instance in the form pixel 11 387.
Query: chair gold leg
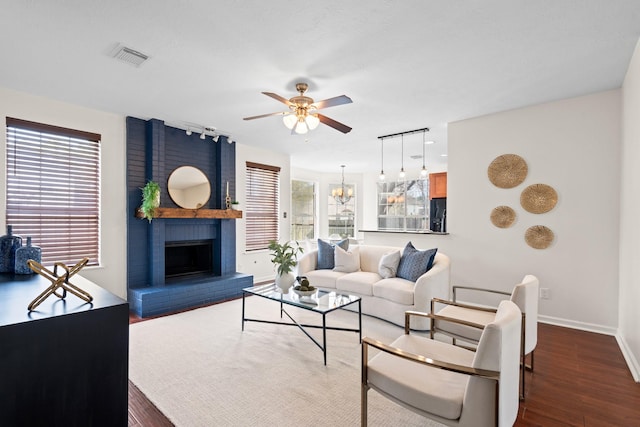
pixel 363 406
pixel 522 370
pixel 364 380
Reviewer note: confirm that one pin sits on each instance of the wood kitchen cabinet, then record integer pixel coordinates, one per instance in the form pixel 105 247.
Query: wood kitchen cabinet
pixel 437 185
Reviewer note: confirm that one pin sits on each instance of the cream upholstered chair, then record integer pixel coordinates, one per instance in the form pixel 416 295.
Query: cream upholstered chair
pixel 524 294
pixel 450 384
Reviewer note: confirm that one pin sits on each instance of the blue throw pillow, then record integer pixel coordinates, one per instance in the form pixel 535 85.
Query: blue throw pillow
pixel 415 263
pixel 326 253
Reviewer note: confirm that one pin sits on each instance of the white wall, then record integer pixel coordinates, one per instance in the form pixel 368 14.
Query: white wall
pixel 572 145
pixel 111 274
pixel 629 319
pixel 259 263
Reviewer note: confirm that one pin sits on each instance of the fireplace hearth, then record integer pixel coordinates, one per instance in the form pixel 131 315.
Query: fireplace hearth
pixel 188 258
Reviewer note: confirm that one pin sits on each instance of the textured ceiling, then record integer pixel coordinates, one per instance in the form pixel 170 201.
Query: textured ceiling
pixel 406 64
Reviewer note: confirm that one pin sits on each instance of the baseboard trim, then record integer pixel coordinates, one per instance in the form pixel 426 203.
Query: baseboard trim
pixel 632 362
pixel 583 326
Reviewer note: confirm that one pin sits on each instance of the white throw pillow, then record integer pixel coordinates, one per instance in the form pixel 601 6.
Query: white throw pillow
pixel 388 266
pixel 347 261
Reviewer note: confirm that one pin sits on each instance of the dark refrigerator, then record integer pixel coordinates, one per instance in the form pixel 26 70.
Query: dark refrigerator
pixel 438 215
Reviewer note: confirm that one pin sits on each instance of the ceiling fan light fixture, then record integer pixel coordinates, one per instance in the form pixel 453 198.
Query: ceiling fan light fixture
pixel 301 128
pixel 312 121
pixel 289 120
pixel 202 135
pixel 299 118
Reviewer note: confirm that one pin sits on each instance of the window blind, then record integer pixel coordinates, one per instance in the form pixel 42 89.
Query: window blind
pixel 53 190
pixel 262 205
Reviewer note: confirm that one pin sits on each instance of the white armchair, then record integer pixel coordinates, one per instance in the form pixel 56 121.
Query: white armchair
pixel 524 295
pixel 450 384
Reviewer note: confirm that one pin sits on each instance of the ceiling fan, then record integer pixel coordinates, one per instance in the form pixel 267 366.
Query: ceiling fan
pixel 302 115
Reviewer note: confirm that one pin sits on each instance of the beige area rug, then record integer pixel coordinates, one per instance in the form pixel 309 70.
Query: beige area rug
pixel 200 369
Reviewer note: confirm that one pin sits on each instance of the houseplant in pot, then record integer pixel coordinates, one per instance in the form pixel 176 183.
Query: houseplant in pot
pixel 284 257
pixel 150 199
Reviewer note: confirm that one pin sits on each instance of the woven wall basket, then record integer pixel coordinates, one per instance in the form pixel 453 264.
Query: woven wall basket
pixel 538 198
pixel 539 237
pixel 507 171
pixel 503 216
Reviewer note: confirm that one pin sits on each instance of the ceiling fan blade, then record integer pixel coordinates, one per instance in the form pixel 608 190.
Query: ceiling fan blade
pixel 280 113
pixel 332 102
pixel 336 125
pixel 278 98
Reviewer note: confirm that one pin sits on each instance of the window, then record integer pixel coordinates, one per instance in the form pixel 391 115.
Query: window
pixel 263 200
pixel 402 205
pixel 53 189
pixel 341 215
pixel 303 210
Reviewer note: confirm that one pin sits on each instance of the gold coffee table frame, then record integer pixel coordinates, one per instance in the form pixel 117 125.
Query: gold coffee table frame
pixel 323 303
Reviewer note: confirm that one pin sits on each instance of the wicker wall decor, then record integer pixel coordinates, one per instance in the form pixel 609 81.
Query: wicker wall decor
pixel 507 171
pixel 503 216
pixel 538 198
pixel 539 237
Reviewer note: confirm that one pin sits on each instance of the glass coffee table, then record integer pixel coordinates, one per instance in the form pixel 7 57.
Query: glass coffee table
pixel 322 302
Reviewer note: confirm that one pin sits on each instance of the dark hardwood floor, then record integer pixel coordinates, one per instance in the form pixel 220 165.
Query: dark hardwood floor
pixel 580 379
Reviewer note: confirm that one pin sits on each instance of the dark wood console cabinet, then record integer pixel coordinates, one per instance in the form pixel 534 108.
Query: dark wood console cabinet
pixel 66 363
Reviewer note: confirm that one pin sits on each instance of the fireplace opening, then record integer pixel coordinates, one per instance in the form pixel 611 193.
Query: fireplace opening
pixel 188 258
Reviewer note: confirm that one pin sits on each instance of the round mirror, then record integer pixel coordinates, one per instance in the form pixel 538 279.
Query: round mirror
pixel 189 187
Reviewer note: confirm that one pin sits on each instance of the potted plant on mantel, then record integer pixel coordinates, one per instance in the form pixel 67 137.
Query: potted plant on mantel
pixel 150 199
pixel 285 257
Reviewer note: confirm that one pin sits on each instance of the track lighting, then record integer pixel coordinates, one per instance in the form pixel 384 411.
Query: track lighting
pixel 402 174
pixel 382 159
pixel 423 172
pixel 205 132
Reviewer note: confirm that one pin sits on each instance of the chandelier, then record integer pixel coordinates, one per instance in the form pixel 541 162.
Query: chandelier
pixel 339 194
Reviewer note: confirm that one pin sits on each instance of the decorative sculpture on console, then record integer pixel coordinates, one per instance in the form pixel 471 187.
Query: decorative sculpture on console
pixel 58 282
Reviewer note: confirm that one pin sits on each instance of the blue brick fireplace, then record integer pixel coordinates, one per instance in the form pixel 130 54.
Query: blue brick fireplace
pixel 157 252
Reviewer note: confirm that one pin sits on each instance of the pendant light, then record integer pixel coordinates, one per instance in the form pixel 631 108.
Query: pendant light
pixel 382 159
pixel 402 174
pixel 423 172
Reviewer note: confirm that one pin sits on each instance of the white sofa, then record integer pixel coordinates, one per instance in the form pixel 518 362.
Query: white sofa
pixel 389 298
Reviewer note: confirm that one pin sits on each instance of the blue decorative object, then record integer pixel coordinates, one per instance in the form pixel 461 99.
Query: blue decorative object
pixel 326 253
pixel 24 254
pixel 8 245
pixel 415 263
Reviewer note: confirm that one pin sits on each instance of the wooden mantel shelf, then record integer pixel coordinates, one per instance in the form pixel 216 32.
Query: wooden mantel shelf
pixel 193 213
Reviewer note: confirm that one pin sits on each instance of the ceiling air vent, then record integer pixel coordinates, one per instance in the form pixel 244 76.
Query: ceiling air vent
pixel 130 56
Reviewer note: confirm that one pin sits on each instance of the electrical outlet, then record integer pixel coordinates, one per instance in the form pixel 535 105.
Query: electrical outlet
pixel 545 293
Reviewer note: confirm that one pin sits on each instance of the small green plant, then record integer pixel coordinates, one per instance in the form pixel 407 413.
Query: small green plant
pixel 150 199
pixel 285 255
